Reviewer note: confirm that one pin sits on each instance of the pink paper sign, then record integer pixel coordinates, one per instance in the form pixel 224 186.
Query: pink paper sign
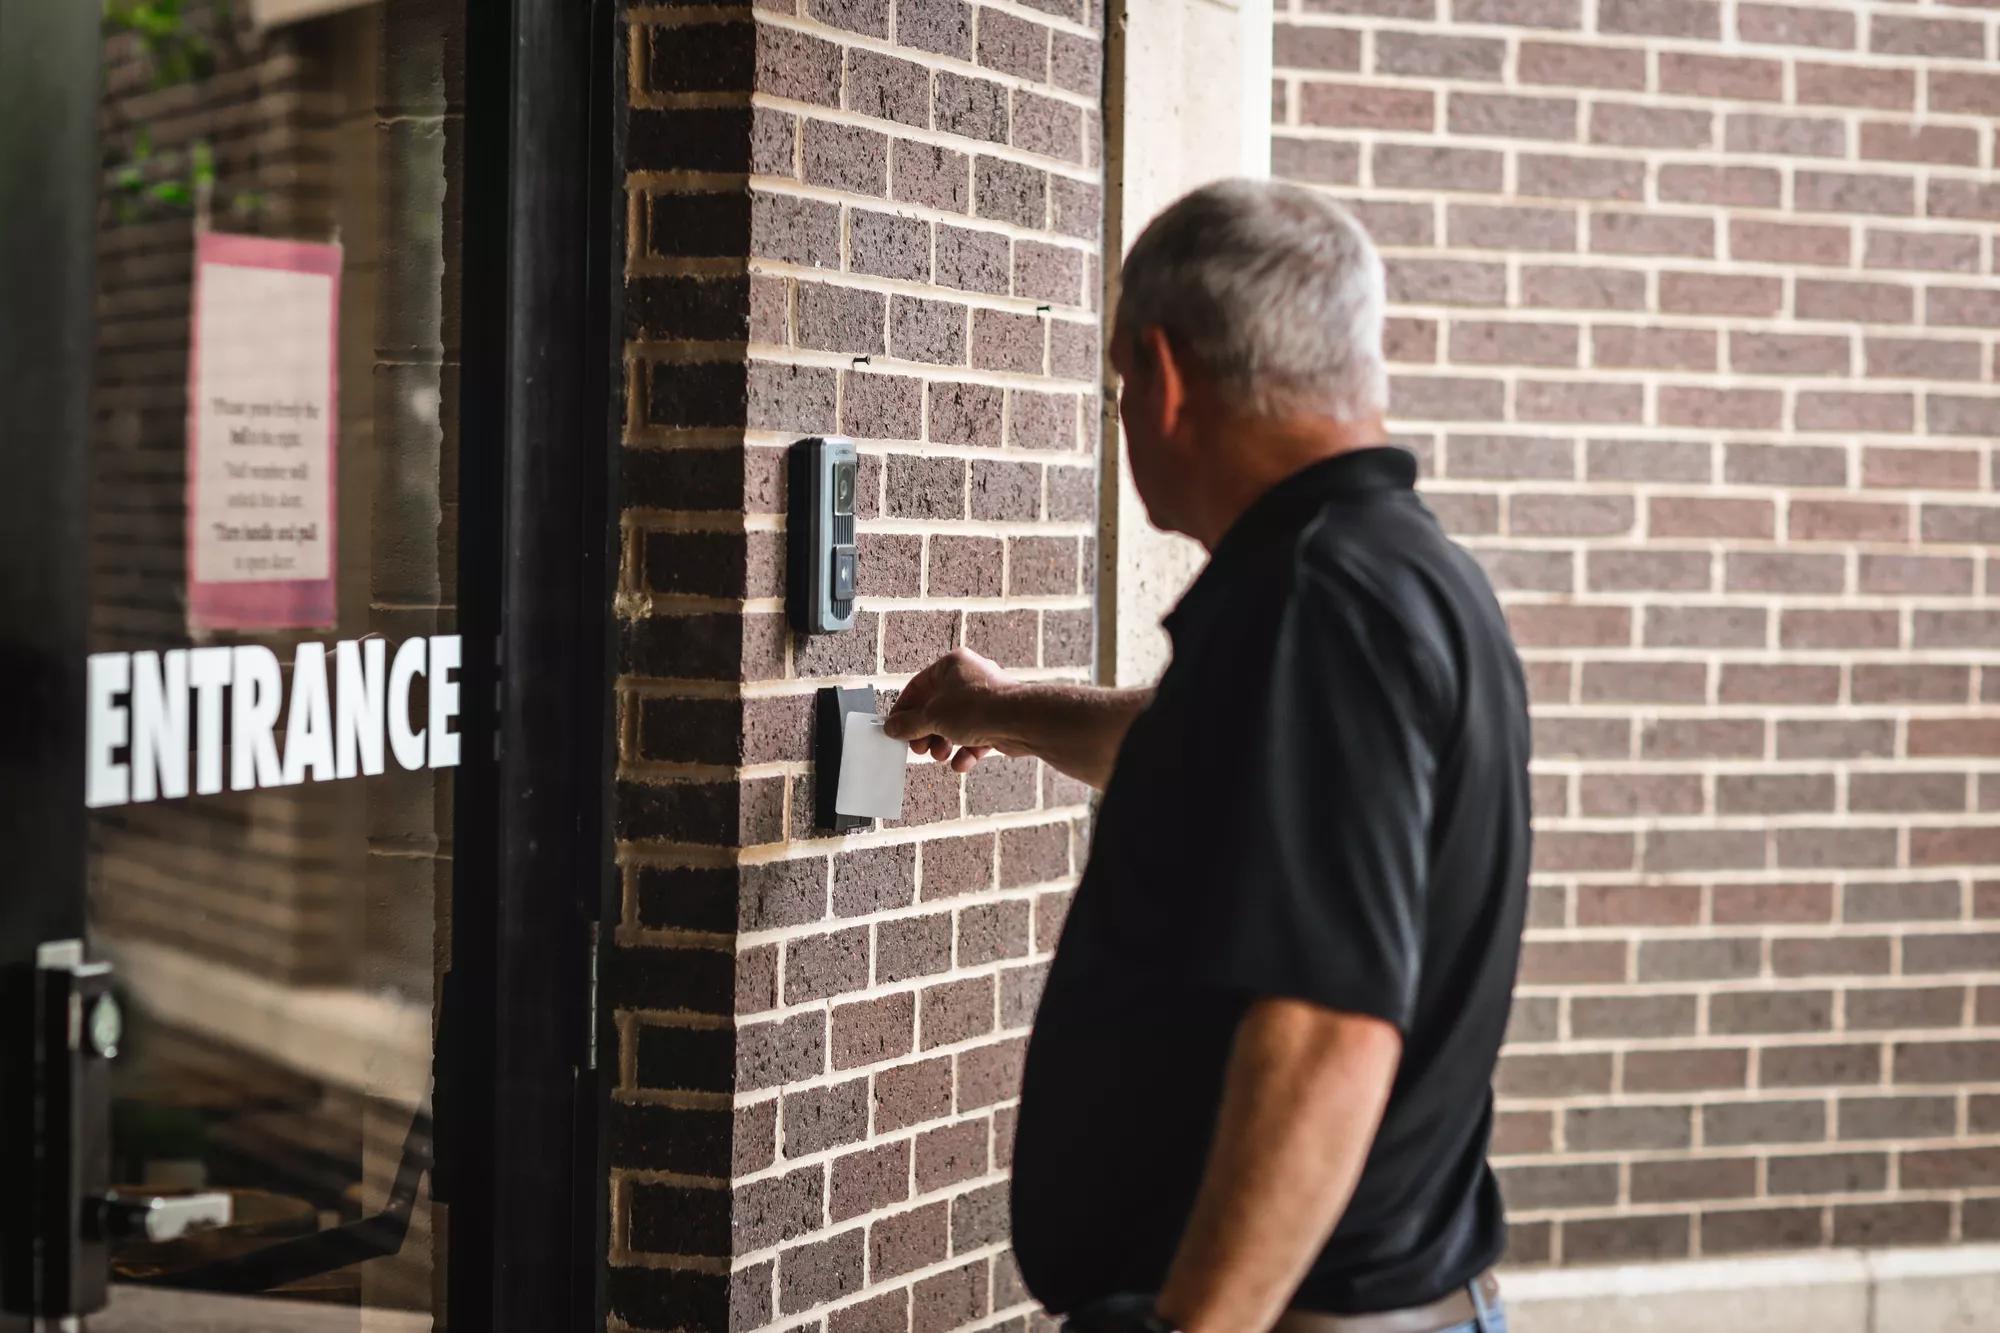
pixel 263 383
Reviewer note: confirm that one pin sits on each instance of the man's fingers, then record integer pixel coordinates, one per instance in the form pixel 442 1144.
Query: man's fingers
pixel 940 748
pixel 904 724
pixel 967 756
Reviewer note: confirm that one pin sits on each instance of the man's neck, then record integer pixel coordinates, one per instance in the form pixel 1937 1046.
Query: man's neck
pixel 1255 454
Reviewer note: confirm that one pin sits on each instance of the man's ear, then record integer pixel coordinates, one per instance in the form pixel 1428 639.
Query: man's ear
pixel 1170 385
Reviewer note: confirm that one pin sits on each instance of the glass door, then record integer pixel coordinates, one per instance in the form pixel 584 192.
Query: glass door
pixel 272 698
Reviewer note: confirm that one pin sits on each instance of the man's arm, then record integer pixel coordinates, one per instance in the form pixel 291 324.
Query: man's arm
pixel 962 706
pixel 1301 1101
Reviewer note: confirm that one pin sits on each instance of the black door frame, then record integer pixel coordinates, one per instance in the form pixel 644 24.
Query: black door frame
pixel 518 1088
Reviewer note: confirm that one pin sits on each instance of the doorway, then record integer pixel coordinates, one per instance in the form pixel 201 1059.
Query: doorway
pixel 276 553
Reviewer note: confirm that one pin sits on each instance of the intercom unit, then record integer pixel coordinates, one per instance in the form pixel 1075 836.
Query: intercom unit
pixel 824 562
pixel 830 711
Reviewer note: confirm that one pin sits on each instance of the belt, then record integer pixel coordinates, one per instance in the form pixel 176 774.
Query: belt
pixel 1444 1313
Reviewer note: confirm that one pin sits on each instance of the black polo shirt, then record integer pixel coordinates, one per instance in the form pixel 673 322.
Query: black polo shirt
pixel 1327 800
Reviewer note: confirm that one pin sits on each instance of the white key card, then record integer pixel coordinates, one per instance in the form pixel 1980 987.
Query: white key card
pixel 872 768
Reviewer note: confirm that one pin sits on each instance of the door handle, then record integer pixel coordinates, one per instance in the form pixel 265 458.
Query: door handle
pixel 117 1217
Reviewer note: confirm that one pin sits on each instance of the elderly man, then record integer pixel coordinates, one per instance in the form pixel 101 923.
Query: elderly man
pixel 1258 1091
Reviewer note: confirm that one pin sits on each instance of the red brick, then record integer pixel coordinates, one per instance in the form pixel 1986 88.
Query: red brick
pixel 1779 683
pixel 1651 234
pixel 1518 13
pixel 1500 116
pixel 1706 627
pixel 1785 465
pixel 1972 307
pixel 1492 228
pixel 1846 521
pixel 1771 904
pixel 1923 358
pixel 1855 302
pixel 1839 629
pixel 1631 1016
pixel 1697 1178
pixel 1685 1071
pixel 1901 34
pixel 1622 796
pixel 1649 570
pixel 1915 575
pixel 1773 793
pixel 1921 469
pixel 1661 18
pixel 1796 136
pixel 1628 347
pixel 1513 344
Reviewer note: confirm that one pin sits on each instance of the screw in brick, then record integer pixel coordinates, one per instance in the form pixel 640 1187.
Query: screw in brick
pixel 860 360
pixel 1042 309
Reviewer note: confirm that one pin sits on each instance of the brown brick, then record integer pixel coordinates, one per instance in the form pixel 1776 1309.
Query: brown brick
pixel 1626 347
pixel 1779 683
pixel 1782 572
pixel 1565 1186
pixel 1398 166
pixel 1917 358
pixel 1796 25
pixel 1897 1117
pixel 1826 410
pixel 1670 851
pixel 1583 288
pixel 956 1011
pixel 1904 1007
pixel 1704 408
pixel 1644 682
pixel 1518 13
pixel 1856 85
pixel 1703 1069
pixel 1362 106
pixel 1789 354
pixel 1434 55
pixel 1577 401
pixel 1630 1016
pixel 1578 66
pixel 1955 91
pixel 1651 234
pixel 1498 115
pixel 1647 904
pixel 1692 1179
pixel 1862 738
pixel 1734 1124
pixel 1768 904
pixel 1948 145
pixel 869 1031
pixel 1738 1230
pixel 1559 176
pixel 1701 183
pixel 1615 1128
pixel 1649 570
pixel 1557 851
pixel 1661 18
pixel 1839 629
pixel 1722 958
pixel 1705 627
pixel 1515 229
pixel 1954 38
pixel 1721 294
pixel 1729 78
pixel 1555 626
pixel 1946 1061
pixel 1850 192
pixel 1961 199
pixel 1625 1239
pixel 1649 460
pixel 912 1094
pixel 1798 136
pixel 1560 962
pixel 1524 1075
pixel 1773 793
pixel 1886 683
pixel 1635 125
pixel 1870 1225
pixel 1513 344
pixel 1704 516
pixel 1521 1132
pixel 1703 739
pixel 1854 302
pixel 1297 47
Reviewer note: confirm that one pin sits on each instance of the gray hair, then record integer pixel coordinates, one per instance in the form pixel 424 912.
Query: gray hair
pixel 1272 291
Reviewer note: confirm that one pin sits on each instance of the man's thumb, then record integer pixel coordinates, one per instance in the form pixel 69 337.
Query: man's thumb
pixel 905 724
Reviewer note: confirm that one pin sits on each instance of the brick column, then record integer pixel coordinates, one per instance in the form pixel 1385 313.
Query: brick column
pixel 876 217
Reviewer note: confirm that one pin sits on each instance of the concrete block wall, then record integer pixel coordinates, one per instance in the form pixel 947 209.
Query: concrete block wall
pixel 878 218
pixel 1694 315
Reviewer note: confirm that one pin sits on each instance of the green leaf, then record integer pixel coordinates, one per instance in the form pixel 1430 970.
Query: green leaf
pixel 201 162
pixel 170 192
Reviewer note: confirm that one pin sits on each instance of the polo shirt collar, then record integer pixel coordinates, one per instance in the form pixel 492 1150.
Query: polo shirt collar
pixel 1357 472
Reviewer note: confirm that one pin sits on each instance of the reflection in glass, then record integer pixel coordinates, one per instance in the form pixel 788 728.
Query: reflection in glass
pixel 278 949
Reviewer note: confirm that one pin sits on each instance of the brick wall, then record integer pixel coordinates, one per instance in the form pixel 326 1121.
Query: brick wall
pixel 876 217
pixel 1693 325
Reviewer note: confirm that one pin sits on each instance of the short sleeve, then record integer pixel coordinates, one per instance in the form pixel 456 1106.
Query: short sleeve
pixel 1312 766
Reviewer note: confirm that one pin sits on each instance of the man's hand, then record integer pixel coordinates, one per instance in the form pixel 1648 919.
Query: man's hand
pixel 948 709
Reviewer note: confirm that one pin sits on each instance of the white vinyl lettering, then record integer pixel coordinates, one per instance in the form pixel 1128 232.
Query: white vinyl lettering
pixel 309 724
pixel 444 700
pixel 153 720
pixel 358 706
pixel 106 781
pixel 208 672
pixel 159 725
pixel 256 693
pixel 406 742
